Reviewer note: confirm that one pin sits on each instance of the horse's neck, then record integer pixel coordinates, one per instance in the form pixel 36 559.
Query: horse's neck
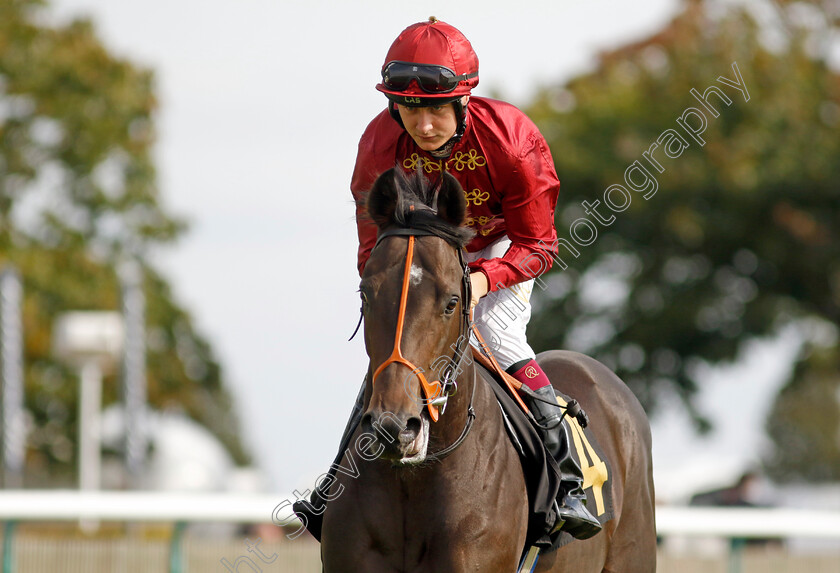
pixel 474 394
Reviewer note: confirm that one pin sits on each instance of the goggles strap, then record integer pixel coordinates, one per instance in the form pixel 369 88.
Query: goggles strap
pixel 429 83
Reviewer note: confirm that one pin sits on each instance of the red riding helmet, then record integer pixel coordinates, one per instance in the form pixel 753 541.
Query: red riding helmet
pixel 429 61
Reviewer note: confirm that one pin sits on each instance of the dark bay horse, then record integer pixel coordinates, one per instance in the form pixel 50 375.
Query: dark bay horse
pixel 424 489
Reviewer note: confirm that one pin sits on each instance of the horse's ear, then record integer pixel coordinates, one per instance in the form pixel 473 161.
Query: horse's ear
pixel 451 202
pixel 382 199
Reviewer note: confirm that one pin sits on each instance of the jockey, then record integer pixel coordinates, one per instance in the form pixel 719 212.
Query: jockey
pixel 505 168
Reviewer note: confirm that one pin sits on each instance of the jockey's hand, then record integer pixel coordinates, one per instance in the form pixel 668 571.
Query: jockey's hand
pixel 480 287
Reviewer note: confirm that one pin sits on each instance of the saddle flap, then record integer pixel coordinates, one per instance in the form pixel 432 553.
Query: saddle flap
pixel 542 474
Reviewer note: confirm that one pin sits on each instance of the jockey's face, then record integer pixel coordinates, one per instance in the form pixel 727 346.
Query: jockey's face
pixel 429 127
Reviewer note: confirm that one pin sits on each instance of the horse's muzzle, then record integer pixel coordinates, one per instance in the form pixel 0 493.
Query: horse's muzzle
pixel 399 437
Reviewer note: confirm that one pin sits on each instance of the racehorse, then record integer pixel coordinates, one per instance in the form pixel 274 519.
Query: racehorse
pixel 431 481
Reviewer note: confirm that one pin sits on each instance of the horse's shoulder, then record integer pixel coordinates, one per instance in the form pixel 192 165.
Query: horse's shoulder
pixel 487 378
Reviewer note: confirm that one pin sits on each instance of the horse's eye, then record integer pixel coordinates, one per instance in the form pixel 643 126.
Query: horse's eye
pixel 363 296
pixel 450 307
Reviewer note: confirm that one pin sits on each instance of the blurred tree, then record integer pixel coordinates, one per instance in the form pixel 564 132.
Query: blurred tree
pixel 805 421
pixel 77 197
pixel 729 236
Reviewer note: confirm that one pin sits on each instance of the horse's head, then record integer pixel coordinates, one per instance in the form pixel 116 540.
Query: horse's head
pixel 414 291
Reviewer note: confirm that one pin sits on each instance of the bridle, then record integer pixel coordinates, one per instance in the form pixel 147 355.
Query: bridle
pixel 437 392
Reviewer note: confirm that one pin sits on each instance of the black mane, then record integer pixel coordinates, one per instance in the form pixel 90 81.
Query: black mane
pixel 413 201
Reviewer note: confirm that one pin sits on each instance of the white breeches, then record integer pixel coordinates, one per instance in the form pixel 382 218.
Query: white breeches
pixel 502 316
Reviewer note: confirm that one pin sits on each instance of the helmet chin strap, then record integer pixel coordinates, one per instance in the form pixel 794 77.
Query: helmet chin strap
pixel 444 150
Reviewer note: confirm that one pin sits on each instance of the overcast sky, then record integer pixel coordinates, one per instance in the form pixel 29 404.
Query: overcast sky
pixel 261 107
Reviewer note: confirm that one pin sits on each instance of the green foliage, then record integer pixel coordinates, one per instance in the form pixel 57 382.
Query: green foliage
pixel 77 196
pixel 75 141
pixel 805 424
pixel 741 236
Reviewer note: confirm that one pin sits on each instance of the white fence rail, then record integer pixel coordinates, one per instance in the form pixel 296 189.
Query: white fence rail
pixel 58 505
pixel 746 523
pixel 27 506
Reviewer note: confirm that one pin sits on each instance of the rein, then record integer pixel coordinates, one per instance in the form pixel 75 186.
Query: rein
pixel 437 456
pixel 437 392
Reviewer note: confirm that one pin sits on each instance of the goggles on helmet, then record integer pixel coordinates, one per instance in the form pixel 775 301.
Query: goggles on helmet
pixel 432 79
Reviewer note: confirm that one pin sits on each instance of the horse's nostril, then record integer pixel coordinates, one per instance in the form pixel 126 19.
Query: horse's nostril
pixel 413 424
pixel 367 423
pixel 412 428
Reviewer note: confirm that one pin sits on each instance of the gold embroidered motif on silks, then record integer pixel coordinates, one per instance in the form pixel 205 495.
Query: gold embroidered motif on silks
pixel 476 197
pixel 429 165
pixel 470 160
pixel 460 161
pixel 480 221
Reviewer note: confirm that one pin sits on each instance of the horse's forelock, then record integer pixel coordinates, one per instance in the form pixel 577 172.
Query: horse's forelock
pixel 416 207
pixel 414 193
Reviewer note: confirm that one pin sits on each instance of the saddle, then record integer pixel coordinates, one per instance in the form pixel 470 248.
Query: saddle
pixel 541 473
